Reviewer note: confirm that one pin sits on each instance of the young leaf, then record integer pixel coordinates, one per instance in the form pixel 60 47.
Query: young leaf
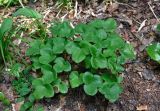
pixel 92 83
pixel 46 89
pixel 2 96
pixel 153 51
pixel 38 92
pixel 46 59
pixel 28 12
pixel 78 55
pixel 49 92
pixel 88 78
pixel 61 65
pixel 90 89
pixel 74 79
pixel 110 25
pixel 99 62
pixel 49 75
pixel 34 48
pixel 111 91
pixel 62 30
pixel 63 88
pixel 58 45
pixel 70 47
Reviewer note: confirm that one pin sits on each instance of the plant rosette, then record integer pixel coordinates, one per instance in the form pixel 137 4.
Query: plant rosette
pixel 89 55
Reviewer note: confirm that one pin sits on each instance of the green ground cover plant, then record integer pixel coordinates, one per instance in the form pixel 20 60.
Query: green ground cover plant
pixel 95 48
pixel 89 55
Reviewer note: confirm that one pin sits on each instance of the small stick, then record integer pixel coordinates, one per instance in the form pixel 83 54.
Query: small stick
pixel 75 12
pixel 21 3
pixel 153 12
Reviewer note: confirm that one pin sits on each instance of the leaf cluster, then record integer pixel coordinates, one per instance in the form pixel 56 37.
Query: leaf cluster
pixel 96 46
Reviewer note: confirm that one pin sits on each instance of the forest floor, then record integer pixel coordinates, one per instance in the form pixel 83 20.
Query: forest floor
pixel 136 23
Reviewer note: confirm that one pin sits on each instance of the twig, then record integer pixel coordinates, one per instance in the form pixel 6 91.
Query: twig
pixel 142 25
pixel 47 13
pixel 75 11
pixel 124 4
pixel 153 12
pixel 58 13
pixel 21 3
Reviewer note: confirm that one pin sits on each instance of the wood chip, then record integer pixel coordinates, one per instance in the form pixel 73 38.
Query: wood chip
pixel 142 108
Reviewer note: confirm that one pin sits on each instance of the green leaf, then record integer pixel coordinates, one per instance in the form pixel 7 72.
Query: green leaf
pixel 90 89
pixel 46 89
pixel 49 75
pixel 58 45
pixel 34 48
pixel 158 27
pixel 67 66
pixel 6 102
pixel 108 53
pixel 111 91
pixel 46 59
pixel 61 65
pixel 62 29
pixel 28 12
pixel 2 96
pixel 26 106
pixel 24 91
pixel 92 83
pixel 63 87
pixel 80 28
pixel 94 50
pixel 46 55
pixel 38 92
pixel 6 26
pixel 98 24
pixel 115 41
pixel 101 34
pixel 85 46
pixel 128 52
pixel 70 47
pixel 110 25
pixel 153 51
pixel 46 49
pixel 88 78
pixel 74 79
pixel 99 62
pixel 109 78
pixel 78 55
pixel 15 70
pixel 49 92
pixel 37 82
pixel 90 37
pixel 31 98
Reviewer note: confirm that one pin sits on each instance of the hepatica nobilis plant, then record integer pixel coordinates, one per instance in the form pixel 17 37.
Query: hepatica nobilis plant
pixel 89 55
